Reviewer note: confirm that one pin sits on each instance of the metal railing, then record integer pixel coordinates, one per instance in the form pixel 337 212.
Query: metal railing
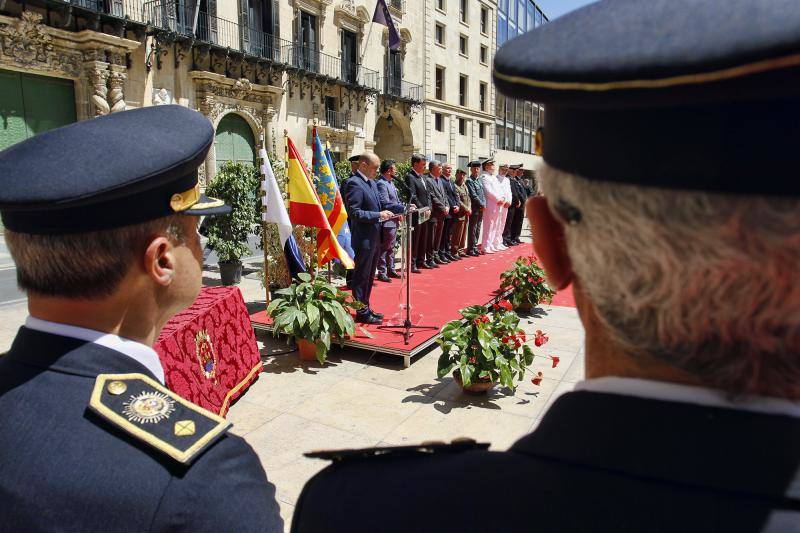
pixel 213 29
pixel 400 88
pixel 336 119
pixel 312 60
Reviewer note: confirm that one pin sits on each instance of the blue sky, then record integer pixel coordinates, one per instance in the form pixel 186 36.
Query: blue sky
pixel 556 8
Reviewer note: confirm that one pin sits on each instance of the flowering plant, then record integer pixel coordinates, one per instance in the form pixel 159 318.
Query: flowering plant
pixel 314 310
pixel 484 347
pixel 526 281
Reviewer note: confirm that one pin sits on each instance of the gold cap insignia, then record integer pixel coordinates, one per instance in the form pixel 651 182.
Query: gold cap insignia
pixel 184 200
pixel 184 428
pixel 116 387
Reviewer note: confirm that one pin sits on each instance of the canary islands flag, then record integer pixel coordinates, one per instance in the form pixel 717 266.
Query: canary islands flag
pixel 276 212
pixel 305 209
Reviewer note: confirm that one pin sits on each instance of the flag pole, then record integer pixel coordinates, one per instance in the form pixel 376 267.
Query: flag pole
pixel 366 42
pixel 263 222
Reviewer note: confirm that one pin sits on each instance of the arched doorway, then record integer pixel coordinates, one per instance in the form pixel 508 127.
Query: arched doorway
pixel 234 141
pixel 390 138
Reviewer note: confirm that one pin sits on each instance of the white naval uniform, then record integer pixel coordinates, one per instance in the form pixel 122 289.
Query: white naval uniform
pixel 504 186
pixel 491 220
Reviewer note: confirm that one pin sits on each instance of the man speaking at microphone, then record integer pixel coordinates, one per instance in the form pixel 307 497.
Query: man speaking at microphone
pixel 366 217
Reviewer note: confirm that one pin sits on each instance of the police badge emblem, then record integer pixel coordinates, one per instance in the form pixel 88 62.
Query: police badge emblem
pixel 148 408
pixel 206 355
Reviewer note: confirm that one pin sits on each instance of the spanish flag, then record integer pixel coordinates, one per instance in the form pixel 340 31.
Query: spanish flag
pixel 305 209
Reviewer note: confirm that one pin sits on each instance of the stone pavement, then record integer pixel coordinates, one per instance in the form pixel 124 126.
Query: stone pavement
pixel 359 399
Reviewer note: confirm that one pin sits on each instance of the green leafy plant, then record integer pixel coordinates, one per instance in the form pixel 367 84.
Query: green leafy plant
pixel 485 347
pixel 342 169
pixel 237 184
pixel 314 310
pixel 526 282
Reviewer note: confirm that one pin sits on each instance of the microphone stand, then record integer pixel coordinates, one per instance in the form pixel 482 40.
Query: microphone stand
pixel 407 326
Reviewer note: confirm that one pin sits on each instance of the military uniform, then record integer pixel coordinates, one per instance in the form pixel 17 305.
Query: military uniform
pixel 91 439
pixel 673 94
pixel 478 199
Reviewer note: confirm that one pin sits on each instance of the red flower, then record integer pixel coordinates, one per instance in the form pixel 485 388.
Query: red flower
pixel 481 319
pixel 473 360
pixel 540 338
pixel 521 336
pixel 537 380
pixel 555 359
pixel 505 304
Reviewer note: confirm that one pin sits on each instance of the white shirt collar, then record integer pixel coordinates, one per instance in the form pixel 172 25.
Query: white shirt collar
pixel 363 177
pixel 133 349
pixel 674 392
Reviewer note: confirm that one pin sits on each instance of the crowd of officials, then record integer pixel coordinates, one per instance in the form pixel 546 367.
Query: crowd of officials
pixel 473 213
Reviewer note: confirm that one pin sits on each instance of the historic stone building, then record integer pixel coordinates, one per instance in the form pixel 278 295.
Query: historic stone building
pixel 258 69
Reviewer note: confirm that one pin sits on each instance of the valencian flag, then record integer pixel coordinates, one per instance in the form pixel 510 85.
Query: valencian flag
pixel 305 209
pixel 328 191
pixel 276 212
pixel 383 16
pixel 343 236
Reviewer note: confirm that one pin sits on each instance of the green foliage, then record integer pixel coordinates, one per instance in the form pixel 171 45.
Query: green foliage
pixel 237 184
pixel 314 310
pixel 342 169
pixel 527 282
pixel 403 169
pixel 482 346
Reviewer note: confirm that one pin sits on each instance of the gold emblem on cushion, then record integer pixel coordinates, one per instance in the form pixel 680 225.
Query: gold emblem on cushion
pixel 206 355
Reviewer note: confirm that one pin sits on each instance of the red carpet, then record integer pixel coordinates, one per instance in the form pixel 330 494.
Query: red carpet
pixel 436 297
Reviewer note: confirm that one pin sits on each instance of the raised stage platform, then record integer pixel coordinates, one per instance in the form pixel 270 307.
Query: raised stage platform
pixel 436 297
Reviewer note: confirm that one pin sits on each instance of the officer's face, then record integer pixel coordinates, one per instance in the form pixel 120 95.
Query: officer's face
pixel 447 170
pixel 473 171
pixel 189 264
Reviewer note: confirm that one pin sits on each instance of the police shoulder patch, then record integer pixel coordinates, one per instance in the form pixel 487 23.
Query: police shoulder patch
pixel 148 411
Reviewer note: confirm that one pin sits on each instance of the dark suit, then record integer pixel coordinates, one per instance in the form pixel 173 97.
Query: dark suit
pixel 449 221
pixel 387 193
pixel 418 195
pixel 365 227
pixel 440 207
pixel 515 210
pixel 596 462
pixel 66 468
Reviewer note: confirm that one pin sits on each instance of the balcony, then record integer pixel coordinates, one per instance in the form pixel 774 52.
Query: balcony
pixel 397 88
pixel 310 60
pixel 213 30
pixel 336 119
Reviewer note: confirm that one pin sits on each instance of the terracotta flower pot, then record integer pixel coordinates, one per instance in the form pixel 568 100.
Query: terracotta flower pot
pixel 481 386
pixel 308 350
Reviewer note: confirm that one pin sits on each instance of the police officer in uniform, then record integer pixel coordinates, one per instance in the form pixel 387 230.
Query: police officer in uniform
pixel 516 208
pixel 670 201
pixel 101 219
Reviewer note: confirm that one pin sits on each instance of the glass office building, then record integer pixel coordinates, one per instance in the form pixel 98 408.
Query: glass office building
pixel 516 121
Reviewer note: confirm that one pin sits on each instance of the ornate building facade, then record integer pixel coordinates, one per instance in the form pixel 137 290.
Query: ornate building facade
pixel 259 69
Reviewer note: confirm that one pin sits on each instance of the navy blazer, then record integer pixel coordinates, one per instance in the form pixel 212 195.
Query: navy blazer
pixel 65 467
pixel 364 207
pixel 596 462
pixel 387 194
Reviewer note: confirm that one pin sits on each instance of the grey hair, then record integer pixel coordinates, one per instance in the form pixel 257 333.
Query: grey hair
pixel 707 282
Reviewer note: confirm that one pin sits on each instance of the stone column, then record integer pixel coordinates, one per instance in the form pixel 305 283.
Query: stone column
pixel 205 99
pixel 96 69
pixel 117 77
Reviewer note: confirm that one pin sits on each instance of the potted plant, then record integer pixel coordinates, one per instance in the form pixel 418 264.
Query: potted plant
pixel 237 184
pixel 526 282
pixel 313 311
pixel 484 349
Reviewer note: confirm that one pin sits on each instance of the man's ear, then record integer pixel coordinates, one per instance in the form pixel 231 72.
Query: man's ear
pixel 549 242
pixel 159 261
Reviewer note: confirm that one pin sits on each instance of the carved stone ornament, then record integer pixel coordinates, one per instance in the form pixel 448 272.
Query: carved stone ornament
pixel 25 43
pixel 241 88
pixel 162 96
